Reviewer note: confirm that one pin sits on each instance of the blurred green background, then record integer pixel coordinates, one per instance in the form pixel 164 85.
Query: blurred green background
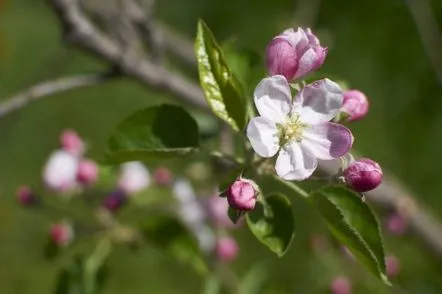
pixel 373 46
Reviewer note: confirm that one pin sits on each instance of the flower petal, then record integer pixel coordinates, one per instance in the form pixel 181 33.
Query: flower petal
pixel 263 135
pixel 273 98
pixel 327 141
pixel 307 63
pixel 321 101
pixel 295 162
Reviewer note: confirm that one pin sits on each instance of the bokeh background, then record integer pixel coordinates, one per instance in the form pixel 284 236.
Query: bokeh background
pixel 373 46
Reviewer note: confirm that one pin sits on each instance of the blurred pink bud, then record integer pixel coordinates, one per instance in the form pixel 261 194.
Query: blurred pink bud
pixel 393 266
pixel 396 224
pixel 163 176
pixel 363 175
pixel 87 172
pixel 72 143
pixel 241 195
pixel 294 54
pixel 217 208
pixel 62 234
pixel 134 177
pixel 355 105
pixel 60 171
pixel 114 201
pixel 340 285
pixel 25 197
pixel 226 249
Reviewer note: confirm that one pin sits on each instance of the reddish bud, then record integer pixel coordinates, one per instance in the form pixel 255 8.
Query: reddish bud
pixel 114 201
pixel 25 197
pixel 87 172
pixel 62 234
pixel 241 195
pixel 163 176
pixel 363 175
pixel 393 266
pixel 227 249
pixel 340 285
pixel 355 105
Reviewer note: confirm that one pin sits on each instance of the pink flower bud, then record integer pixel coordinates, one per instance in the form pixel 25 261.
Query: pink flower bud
pixel 134 177
pixel 396 224
pixel 114 201
pixel 217 208
pixel 241 195
pixel 355 105
pixel 25 197
pixel 87 172
pixel 340 285
pixel 393 266
pixel 363 175
pixel 60 171
pixel 163 176
pixel 62 234
pixel 72 143
pixel 226 249
pixel 294 54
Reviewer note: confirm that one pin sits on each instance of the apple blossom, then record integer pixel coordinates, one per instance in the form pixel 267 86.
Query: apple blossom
pixel 60 171
pixel 87 172
pixel 355 105
pixel 72 143
pixel 299 129
pixel 134 177
pixel 241 195
pixel 363 175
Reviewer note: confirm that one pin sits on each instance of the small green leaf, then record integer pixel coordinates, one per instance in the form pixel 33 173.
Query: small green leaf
pixel 159 131
pixel 272 223
pixel 234 214
pixel 168 234
pixel 353 223
pixel 221 88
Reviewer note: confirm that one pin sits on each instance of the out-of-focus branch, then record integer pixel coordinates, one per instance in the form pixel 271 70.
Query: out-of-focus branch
pixel 429 32
pixel 48 88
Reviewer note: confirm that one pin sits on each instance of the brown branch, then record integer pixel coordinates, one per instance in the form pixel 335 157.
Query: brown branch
pixel 46 89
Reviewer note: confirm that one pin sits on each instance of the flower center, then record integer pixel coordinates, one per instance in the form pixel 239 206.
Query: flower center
pixel 291 130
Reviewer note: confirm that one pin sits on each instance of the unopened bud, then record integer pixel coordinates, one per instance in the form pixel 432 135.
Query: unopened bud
pixel 363 175
pixel 25 197
pixel 340 285
pixel 226 249
pixel 242 194
pixel 396 224
pixel 392 265
pixel 62 234
pixel 72 143
pixel 163 176
pixel 87 172
pixel 114 201
pixel 355 105
pixel 294 54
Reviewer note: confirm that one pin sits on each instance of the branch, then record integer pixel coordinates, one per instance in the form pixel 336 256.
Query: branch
pixel 48 88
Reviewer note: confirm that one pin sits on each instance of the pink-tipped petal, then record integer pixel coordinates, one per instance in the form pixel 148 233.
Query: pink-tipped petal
pixel 295 163
pixel 321 101
pixel 327 141
pixel 307 62
pixel 281 58
pixel 263 135
pixel 273 98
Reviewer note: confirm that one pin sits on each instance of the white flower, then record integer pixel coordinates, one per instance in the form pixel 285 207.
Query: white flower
pixel 134 177
pixel 60 171
pixel 298 128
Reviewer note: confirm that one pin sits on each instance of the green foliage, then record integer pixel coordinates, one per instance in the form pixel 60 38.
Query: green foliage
pixel 353 223
pixel 221 88
pixel 159 131
pixel 272 222
pixel 170 235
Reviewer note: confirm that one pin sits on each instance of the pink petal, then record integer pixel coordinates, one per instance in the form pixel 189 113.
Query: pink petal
pixel 295 162
pixel 327 141
pixel 307 63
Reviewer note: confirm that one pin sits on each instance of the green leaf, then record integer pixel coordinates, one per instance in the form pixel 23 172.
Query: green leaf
pixel 272 223
pixel 170 235
pixel 252 282
pixel 94 267
pixel 234 214
pixel 70 279
pixel 159 131
pixel 353 223
pixel 221 88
